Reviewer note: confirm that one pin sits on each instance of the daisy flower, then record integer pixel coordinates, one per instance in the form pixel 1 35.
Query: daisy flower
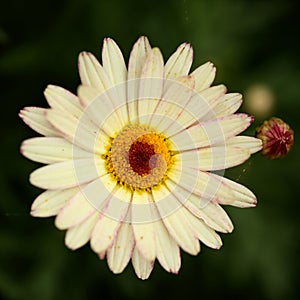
pixel 130 159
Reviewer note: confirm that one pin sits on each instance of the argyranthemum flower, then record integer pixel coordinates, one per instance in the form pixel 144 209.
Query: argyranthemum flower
pixel 130 159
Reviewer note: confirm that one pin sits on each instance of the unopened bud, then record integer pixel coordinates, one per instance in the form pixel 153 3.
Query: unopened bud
pixel 277 138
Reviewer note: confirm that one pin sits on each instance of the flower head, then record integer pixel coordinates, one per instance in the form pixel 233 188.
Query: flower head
pixel 130 157
pixel 277 138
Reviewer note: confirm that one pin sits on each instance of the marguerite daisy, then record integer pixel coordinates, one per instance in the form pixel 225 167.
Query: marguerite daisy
pixel 130 159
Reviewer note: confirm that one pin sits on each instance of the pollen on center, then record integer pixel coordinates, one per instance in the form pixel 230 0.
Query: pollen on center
pixel 138 158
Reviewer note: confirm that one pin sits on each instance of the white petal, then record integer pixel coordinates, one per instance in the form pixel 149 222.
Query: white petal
pixel 120 253
pixel 245 142
pixel 80 234
pixel 119 200
pixel 105 114
pixel 51 202
pixel 167 250
pixel 137 59
pixel 204 185
pixel 115 68
pixel 176 95
pixel 211 213
pixel 207 99
pixel 212 94
pixel 91 198
pixel 142 267
pixel 214 158
pixel 35 118
pixel 179 91
pixel 211 132
pixel 79 132
pixel 143 209
pixel 101 254
pixel 113 214
pixel 86 94
pixel 204 233
pixel 242 196
pixel 204 76
pixel 153 66
pixel 49 150
pixel 176 222
pixel 180 62
pixel 92 73
pixel 197 107
pixel 212 187
pixel 138 55
pixel 179 227
pixel 196 226
pixel 67 173
pixel 144 232
pixel 113 62
pixel 104 233
pixel 151 85
pixel 227 105
pixel 62 100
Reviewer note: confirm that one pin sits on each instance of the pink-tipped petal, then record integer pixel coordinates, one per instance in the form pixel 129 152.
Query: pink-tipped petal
pixel 78 235
pixel 142 267
pixel 35 118
pixel 204 76
pixel 50 150
pixel 180 62
pixel 68 173
pixel 113 62
pixel 120 252
pixel 50 202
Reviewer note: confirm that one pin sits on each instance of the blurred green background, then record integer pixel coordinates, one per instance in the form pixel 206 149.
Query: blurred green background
pixel 250 42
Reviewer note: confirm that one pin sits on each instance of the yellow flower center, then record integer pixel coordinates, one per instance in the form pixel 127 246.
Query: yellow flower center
pixel 138 158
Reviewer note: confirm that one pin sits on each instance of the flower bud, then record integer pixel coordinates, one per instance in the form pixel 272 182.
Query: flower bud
pixel 277 138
